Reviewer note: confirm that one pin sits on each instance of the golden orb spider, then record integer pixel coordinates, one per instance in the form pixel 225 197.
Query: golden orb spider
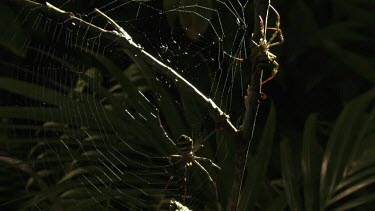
pixel 186 149
pixel 267 60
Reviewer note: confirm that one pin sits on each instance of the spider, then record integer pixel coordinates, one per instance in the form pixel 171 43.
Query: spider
pixel 267 60
pixel 186 149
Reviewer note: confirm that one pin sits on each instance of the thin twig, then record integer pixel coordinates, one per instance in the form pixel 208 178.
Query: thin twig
pixel 246 132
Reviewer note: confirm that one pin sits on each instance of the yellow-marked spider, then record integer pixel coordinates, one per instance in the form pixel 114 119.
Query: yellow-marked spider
pixel 266 59
pixel 186 149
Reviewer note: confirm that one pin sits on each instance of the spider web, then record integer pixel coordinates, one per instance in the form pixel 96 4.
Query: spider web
pixel 61 91
pixel 211 36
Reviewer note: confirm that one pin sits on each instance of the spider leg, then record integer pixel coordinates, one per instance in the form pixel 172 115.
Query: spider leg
pixel 254 43
pixel 175 156
pixel 200 142
pixel 233 57
pixel 275 69
pixel 280 33
pixel 277 15
pixel 262 29
pixel 209 177
pixel 277 31
pixel 178 157
pixel 207 160
pixel 169 182
pixel 165 132
pixel 185 181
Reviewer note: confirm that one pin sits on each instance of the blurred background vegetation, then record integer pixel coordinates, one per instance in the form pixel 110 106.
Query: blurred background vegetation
pixel 314 146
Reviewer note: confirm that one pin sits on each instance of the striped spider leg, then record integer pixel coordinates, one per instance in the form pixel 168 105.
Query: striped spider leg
pixel 267 60
pixel 186 149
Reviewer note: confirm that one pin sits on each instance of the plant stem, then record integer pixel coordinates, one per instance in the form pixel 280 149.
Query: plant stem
pixel 246 132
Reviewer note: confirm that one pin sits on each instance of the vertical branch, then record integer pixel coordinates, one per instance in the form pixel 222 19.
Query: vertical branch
pixel 246 132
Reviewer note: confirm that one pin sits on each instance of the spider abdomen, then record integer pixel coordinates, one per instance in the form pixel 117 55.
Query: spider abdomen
pixel 184 144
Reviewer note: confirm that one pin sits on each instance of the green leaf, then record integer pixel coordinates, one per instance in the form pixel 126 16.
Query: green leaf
pixel 352 189
pixel 33 91
pixel 354 179
pixel 354 61
pixel 63 115
pixel 23 167
pixel 311 161
pixel 341 144
pixel 75 173
pixel 291 175
pixel 356 202
pixel 12 36
pixel 136 77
